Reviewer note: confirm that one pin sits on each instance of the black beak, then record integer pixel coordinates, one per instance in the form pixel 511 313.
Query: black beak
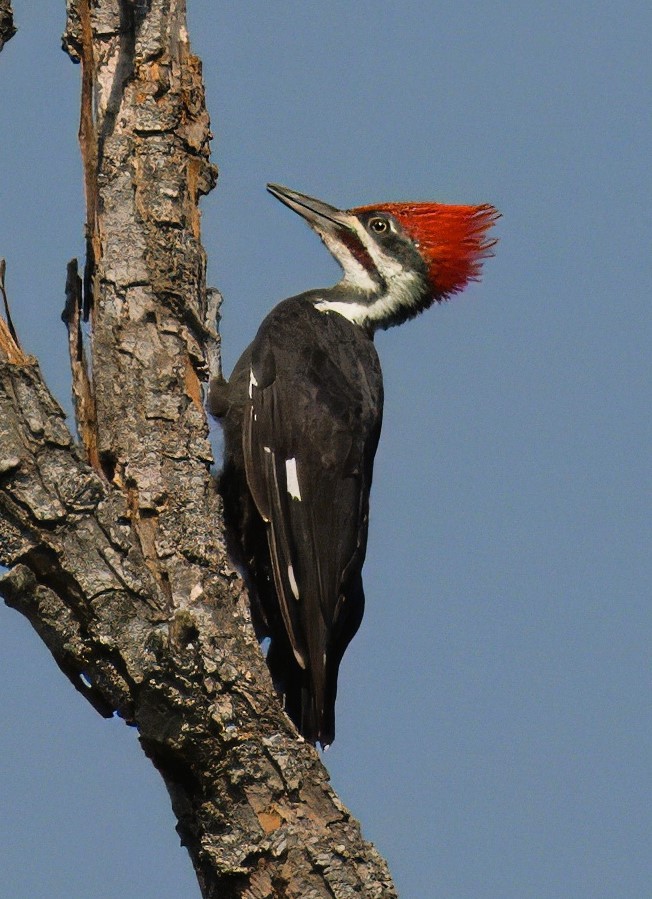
pixel 319 215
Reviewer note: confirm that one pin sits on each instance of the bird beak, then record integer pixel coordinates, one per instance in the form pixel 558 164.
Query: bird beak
pixel 319 215
pixel 341 232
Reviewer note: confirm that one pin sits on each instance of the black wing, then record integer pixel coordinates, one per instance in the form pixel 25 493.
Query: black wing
pixel 310 430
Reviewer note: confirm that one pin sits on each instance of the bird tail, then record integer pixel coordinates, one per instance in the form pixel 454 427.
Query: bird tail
pixel 313 715
pixel 317 715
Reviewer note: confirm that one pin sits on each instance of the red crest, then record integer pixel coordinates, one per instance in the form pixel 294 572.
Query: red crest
pixel 451 239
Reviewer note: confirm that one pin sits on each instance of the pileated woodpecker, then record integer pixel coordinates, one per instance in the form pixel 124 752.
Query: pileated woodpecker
pixel 302 415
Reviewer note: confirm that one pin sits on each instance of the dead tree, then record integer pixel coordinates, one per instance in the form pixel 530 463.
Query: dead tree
pixel 114 541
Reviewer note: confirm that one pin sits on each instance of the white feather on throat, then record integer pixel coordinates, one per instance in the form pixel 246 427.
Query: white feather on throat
pixel 395 288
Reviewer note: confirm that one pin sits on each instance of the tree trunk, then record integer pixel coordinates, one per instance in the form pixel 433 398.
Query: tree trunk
pixel 115 542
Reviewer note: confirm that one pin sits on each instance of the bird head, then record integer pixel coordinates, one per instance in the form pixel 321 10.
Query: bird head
pixel 397 258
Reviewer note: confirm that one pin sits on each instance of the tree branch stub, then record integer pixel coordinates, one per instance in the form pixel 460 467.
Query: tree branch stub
pixel 7 27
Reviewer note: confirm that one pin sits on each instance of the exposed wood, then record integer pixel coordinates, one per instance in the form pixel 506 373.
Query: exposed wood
pixel 10 348
pixel 116 551
pixel 82 389
pixel 88 143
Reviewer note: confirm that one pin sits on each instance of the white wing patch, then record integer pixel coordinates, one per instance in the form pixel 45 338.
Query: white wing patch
pixel 292 479
pixel 293 582
pixel 252 382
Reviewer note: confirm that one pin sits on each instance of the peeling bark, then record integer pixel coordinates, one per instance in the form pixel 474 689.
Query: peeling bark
pixel 115 545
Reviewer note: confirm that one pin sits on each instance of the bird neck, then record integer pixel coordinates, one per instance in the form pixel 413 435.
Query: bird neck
pixel 389 302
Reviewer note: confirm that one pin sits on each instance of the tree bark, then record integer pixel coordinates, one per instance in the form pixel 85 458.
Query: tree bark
pixel 115 541
pixel 7 29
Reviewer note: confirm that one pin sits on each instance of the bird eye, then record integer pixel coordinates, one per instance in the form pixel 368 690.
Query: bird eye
pixel 378 225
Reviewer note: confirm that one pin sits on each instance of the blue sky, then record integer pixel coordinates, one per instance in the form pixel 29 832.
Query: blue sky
pixel 494 713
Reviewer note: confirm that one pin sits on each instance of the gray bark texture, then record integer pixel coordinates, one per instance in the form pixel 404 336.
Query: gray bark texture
pixel 114 541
